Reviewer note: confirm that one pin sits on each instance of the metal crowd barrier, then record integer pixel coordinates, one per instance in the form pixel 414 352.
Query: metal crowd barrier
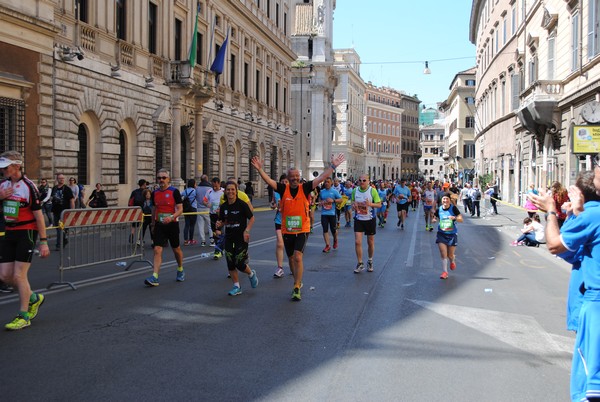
pixel 99 235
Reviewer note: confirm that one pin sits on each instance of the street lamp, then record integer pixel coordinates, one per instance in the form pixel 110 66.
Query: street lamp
pixel 300 66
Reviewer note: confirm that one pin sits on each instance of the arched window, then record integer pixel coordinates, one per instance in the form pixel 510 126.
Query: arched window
pixel 82 155
pixel 122 153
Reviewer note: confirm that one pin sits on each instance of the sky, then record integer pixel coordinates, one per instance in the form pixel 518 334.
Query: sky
pixel 394 38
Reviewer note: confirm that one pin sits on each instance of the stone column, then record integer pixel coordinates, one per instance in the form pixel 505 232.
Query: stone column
pixel 198 142
pixel 176 145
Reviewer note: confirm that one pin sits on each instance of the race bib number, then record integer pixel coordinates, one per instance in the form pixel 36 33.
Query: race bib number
pixel 446 225
pixel 429 202
pixel 11 210
pixel 327 205
pixel 163 216
pixel 361 208
pixel 293 223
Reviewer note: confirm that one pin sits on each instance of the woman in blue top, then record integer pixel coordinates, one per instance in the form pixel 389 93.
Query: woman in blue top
pixel 447 239
pixel 279 246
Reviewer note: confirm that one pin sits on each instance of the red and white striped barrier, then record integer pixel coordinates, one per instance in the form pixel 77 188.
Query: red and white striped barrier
pixel 105 216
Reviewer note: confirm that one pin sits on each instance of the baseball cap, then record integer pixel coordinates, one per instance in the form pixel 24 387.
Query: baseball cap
pixel 5 162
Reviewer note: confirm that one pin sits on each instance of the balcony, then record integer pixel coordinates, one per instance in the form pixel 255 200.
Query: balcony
pixel 181 73
pixel 542 89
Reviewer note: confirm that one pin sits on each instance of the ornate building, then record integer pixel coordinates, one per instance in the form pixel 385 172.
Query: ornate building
pixel 537 72
pixel 105 91
pixel 349 106
pixel 313 84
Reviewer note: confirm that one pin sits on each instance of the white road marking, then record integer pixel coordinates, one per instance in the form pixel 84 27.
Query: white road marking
pixel 520 331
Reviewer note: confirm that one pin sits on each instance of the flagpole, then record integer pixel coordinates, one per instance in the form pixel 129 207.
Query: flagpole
pixel 210 48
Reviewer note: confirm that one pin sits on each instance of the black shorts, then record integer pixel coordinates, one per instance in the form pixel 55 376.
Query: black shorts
pixel 329 222
pixel 368 227
pixel 278 226
pixel 165 234
pixel 294 242
pixel 18 245
pixel 402 207
pixel 236 254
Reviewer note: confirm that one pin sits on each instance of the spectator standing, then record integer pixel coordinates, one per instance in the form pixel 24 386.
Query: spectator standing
pixel 45 193
pixel 62 198
pixel 189 209
pixel 136 199
pixel 212 200
pixel 97 198
pixel 205 228
pixel 581 232
pixel 75 190
pixel 249 190
pixel 466 199
pixel 147 210
pixel 476 196
pixel 560 196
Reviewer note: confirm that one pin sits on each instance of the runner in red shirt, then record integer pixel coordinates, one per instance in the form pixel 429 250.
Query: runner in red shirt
pixel 24 220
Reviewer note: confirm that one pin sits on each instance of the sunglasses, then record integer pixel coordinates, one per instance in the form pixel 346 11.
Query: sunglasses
pixel 161 177
pixel 361 180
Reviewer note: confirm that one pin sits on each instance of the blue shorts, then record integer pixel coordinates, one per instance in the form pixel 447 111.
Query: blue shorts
pixel 449 239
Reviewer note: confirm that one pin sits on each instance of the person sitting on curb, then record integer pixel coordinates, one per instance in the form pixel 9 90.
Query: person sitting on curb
pixel 532 233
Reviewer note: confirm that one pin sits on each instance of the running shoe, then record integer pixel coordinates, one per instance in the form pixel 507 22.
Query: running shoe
pixel 279 273
pixel 402 226
pixel 180 276
pixel 4 288
pixel 348 224
pixel 327 249
pixel 192 242
pixel 33 307
pixel 212 241
pixel 431 228
pixel 444 275
pixel 427 228
pixel 151 281
pixel 186 243
pixel 369 266
pixel 399 222
pixel 19 322
pixel 296 296
pixel 359 268
pixel 514 243
pixel 203 244
pixel 253 279
pixel 452 266
pixel 235 291
pixel 217 255
pixel 335 244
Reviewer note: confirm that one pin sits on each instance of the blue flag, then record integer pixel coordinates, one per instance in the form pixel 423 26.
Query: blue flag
pixel 219 62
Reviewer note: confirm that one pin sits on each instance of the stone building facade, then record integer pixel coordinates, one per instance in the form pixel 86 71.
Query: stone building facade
pixel 104 90
pixel 349 107
pixel 432 165
pixel 538 70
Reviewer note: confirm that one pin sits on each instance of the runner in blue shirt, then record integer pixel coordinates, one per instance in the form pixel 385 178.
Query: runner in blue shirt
pixel 401 194
pixel 328 197
pixel 447 239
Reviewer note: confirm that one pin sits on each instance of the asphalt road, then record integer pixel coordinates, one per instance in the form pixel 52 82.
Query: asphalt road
pixel 494 331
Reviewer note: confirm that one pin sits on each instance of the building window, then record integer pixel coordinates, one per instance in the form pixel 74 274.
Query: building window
pixel 82 155
pixel 551 52
pixel 504 31
pixel 199 48
pixel 268 92
pixel 121 18
pixel 232 63
pixel 161 133
pixel 284 100
pixel 470 83
pixel 122 154
pixel 246 78
pixel 574 41
pixel 470 100
pixel 470 122
pixel 178 39
pixel 533 69
pixel 81 10
pixel 152 27
pixel 513 20
pixel 12 125
pixel 276 96
pixel 515 83
pixel 257 87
